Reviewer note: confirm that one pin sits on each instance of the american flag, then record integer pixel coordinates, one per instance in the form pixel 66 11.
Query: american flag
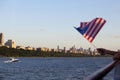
pixel 90 29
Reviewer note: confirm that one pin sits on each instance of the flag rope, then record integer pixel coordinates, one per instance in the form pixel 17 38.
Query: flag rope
pixel 94 46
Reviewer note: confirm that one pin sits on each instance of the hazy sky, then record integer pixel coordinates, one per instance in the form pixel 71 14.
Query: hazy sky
pixel 48 23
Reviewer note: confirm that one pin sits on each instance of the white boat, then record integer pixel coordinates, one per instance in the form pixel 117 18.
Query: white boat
pixel 12 60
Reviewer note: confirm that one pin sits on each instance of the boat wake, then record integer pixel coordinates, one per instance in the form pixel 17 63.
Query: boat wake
pixel 11 60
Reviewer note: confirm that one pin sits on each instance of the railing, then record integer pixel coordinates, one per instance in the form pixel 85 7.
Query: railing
pixel 100 74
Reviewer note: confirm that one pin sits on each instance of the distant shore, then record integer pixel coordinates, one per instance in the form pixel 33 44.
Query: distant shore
pixel 11 52
pixel 54 56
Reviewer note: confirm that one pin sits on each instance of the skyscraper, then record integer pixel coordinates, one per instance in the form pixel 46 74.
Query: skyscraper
pixel 1 39
pixel 58 48
pixel 11 44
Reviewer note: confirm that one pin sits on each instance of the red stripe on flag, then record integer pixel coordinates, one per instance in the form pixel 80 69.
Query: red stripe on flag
pixel 94 28
pixel 98 31
pixel 90 27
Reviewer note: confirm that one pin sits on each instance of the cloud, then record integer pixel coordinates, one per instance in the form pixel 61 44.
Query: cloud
pixel 41 29
pixel 117 36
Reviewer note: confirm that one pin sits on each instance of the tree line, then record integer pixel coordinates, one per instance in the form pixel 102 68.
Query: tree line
pixel 12 52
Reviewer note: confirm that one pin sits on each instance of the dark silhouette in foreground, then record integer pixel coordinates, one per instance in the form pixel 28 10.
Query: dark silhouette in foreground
pixel 115 54
pixel 100 74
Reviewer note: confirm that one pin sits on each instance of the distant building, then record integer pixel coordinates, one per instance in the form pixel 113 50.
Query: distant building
pixel 58 48
pixel 81 50
pixel 64 50
pixel 89 51
pixel 34 49
pixel 95 52
pixel 39 49
pixel 45 49
pixel 61 50
pixel 20 47
pixel 28 48
pixel 54 50
pixel 73 49
pixel 11 44
pixel 1 39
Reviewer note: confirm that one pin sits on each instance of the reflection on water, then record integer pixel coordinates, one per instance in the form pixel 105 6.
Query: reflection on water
pixel 52 68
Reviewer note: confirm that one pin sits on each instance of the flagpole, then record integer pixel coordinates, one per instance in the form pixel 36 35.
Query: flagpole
pixel 93 45
pixel 84 37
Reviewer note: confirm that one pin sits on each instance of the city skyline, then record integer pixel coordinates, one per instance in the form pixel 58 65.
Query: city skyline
pixel 12 44
pixel 50 23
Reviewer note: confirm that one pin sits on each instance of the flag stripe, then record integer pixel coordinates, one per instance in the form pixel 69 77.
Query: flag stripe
pixel 90 27
pixel 99 27
pixel 94 28
pixel 98 30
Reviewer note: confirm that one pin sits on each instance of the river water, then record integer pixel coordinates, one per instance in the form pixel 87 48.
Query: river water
pixel 53 68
